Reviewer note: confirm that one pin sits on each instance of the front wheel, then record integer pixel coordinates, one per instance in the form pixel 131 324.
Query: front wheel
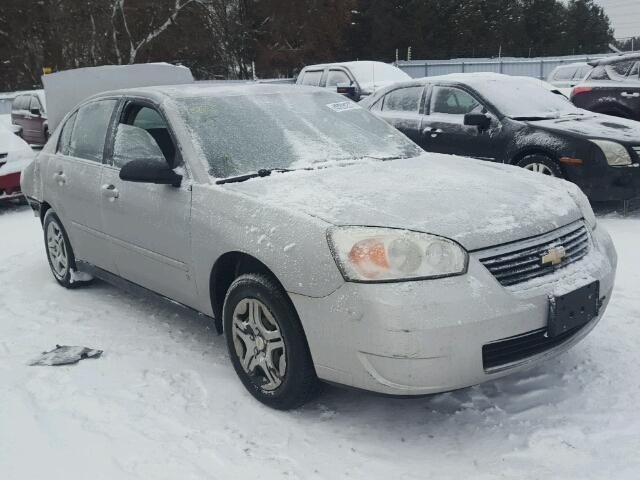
pixel 266 343
pixel 541 164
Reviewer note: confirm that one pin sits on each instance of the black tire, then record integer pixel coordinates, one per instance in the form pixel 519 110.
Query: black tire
pixel 299 383
pixel 51 220
pixel 534 161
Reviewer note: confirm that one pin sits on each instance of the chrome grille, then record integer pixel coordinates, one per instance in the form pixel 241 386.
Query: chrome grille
pixel 522 261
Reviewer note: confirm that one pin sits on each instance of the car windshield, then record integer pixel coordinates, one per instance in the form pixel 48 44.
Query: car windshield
pixel 240 134
pixel 523 98
pixel 370 72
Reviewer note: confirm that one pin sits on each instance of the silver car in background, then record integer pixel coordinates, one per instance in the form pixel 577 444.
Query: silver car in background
pixel 322 241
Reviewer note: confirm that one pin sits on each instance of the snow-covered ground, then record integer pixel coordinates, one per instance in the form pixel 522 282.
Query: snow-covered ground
pixel 164 403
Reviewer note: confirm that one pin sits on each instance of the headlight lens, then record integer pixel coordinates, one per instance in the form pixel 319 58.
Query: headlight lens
pixel 615 153
pixel 372 254
pixel 583 204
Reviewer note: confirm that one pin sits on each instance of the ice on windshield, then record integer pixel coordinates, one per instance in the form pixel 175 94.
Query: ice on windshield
pixel 521 98
pixel 241 134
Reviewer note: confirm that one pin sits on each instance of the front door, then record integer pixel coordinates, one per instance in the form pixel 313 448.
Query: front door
pixel 73 180
pixel 149 225
pixel 443 129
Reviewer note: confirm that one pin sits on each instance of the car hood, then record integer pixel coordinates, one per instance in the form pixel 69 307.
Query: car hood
pixel 478 204
pixel 594 125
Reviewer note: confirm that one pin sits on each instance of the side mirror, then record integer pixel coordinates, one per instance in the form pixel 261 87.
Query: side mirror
pixel 150 171
pixel 347 90
pixel 479 120
pixel 35 112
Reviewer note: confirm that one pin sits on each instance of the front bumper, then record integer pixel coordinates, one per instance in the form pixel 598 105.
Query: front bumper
pixel 422 337
pixel 606 183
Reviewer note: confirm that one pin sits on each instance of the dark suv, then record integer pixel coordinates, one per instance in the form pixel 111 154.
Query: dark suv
pixel 612 87
pixel 29 113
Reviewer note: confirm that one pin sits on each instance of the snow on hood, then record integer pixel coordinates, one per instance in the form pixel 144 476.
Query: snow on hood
pixel 594 125
pixel 19 153
pixel 479 204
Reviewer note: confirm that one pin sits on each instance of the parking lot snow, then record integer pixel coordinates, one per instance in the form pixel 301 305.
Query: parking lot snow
pixel 164 403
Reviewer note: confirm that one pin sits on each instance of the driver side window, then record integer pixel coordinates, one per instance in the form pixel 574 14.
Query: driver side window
pixel 143 134
pixel 453 101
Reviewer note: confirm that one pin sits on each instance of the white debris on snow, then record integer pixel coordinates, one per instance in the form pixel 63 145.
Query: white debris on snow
pixel 165 402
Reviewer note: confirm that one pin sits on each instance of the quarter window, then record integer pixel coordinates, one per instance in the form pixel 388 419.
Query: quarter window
pixel 337 77
pixel 65 135
pixel 35 104
pixel 403 100
pixel 312 78
pixel 453 101
pixel 90 131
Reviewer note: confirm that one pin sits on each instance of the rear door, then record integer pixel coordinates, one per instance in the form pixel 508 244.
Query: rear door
pixel 73 180
pixel 444 131
pixel 630 94
pixel 149 225
pixel 403 109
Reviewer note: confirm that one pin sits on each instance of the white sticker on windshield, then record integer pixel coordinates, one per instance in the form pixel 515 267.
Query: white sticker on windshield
pixel 343 106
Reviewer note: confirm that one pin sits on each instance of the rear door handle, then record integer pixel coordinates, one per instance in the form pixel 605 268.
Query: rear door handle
pixel 630 95
pixel 110 192
pixel 60 178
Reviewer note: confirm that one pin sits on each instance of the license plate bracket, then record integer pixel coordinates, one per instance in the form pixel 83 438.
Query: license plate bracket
pixel 574 309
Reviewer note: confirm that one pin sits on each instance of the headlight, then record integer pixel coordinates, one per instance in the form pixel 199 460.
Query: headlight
pixel 615 153
pixel 583 204
pixel 372 254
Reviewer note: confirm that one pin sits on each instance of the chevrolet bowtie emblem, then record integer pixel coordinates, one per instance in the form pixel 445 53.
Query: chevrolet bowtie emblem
pixel 554 256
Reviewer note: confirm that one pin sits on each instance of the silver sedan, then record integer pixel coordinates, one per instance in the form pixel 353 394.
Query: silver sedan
pixel 324 243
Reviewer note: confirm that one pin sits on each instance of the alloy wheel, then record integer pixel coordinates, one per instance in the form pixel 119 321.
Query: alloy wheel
pixel 540 168
pixel 57 249
pixel 259 344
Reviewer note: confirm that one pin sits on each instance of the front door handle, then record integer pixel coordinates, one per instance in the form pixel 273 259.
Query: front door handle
pixel 434 132
pixel 110 191
pixel 630 95
pixel 60 178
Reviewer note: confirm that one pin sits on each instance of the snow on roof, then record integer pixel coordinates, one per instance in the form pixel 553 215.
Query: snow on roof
pixel 615 59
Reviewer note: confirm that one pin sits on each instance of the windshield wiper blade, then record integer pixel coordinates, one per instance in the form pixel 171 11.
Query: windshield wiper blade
pixel 263 172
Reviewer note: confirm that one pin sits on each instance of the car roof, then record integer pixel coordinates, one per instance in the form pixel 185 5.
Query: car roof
pixel 615 59
pixel 200 90
pixel 342 64
pixel 574 64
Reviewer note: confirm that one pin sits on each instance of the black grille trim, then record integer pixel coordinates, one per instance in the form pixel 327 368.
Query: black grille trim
pixel 515 349
pixel 521 263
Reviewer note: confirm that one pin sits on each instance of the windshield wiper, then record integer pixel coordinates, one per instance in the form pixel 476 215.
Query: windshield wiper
pixel 263 172
pixel 532 119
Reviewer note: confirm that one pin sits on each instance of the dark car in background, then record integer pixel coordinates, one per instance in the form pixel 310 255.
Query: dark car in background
pixel 355 80
pixel 29 114
pixel 518 121
pixel 612 87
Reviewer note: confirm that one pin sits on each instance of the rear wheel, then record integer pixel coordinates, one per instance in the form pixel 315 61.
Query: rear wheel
pixel 266 343
pixel 59 252
pixel 541 164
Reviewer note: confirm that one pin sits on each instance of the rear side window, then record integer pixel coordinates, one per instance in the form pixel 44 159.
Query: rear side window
pixel 20 102
pixel 565 73
pixel 35 104
pixel 337 77
pixel 633 74
pixel 65 135
pixel 90 131
pixel 403 100
pixel 312 78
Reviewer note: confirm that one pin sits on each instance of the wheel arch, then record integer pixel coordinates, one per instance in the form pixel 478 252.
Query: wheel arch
pixel 226 269
pixel 526 151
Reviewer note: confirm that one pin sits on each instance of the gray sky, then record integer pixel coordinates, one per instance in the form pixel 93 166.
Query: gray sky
pixel 624 15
